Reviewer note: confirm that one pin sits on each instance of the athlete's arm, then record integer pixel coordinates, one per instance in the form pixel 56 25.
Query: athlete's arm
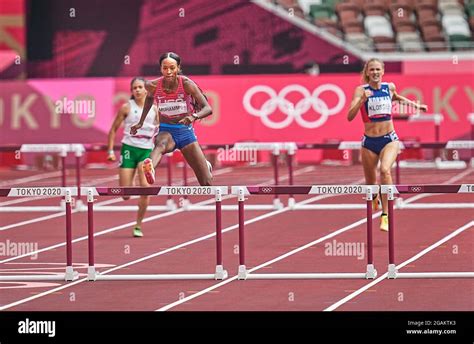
pixel 191 88
pixel 121 114
pixel 360 96
pixel 396 96
pixel 150 87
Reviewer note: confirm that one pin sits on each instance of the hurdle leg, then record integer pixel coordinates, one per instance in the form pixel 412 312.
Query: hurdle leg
pixel 185 202
pixel 169 202
pixel 220 272
pixel 392 271
pixel 371 272
pixel 79 203
pixel 276 200
pixel 91 273
pixel 289 162
pixel 70 273
pixel 242 273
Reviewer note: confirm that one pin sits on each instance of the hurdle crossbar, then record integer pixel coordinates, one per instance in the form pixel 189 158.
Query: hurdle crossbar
pixel 391 191
pixel 217 191
pixel 67 193
pixel 368 190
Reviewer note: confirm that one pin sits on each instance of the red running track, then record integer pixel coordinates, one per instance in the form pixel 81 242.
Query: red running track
pixel 266 239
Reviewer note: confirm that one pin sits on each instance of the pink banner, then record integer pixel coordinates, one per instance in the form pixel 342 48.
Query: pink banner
pixel 297 108
pixel 313 109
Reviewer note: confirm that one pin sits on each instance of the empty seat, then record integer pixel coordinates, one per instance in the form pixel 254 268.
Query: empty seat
pixel 305 5
pixel 455 25
pixel 378 26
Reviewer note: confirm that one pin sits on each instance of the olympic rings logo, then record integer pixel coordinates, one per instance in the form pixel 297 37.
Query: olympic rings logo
pixel 266 189
pixel 294 111
pixel 116 191
pixel 415 188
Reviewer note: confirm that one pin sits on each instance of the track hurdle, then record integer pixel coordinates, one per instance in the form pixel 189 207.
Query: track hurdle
pixel 391 191
pixel 217 191
pixel 275 148
pixel 67 193
pixel 62 150
pixel 368 190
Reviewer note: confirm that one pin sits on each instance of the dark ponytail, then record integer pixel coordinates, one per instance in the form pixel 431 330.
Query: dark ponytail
pixel 131 84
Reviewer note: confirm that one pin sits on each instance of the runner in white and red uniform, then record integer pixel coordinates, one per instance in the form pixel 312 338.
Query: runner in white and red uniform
pixel 180 102
pixel 380 142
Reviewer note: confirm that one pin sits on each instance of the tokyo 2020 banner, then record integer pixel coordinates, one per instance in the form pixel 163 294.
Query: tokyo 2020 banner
pixel 296 108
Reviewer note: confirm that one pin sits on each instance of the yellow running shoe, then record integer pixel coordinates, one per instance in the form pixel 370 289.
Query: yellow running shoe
pixel 384 223
pixel 149 171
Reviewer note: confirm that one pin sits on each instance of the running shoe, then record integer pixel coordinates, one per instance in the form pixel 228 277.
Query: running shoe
pixel 137 232
pixel 149 171
pixel 384 223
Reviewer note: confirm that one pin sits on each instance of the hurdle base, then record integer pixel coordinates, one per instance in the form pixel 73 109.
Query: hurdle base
pixel 170 204
pixel 70 274
pixel 185 204
pixel 277 204
pixel 457 274
pixel 154 277
pixel 80 206
pixel 347 206
pixel 392 271
pixel 231 207
pixel 60 277
pixel 371 272
pixel 91 273
pixel 291 203
pixel 220 274
pixel 242 273
pixel 450 164
pixel 309 275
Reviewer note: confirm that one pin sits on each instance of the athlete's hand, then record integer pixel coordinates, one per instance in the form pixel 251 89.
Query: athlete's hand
pixel 367 94
pixel 111 156
pixel 134 128
pixel 187 120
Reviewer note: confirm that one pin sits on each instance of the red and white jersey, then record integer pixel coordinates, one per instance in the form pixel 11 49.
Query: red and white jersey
pixel 173 106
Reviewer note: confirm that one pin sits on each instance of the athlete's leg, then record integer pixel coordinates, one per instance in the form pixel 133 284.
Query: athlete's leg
pixel 388 155
pixel 196 159
pixel 142 202
pixel 369 163
pixel 126 178
pixel 164 143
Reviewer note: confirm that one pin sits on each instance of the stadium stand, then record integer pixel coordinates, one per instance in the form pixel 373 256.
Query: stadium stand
pixel 392 25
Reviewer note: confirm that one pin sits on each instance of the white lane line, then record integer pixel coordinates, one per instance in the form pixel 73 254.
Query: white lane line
pixel 409 200
pixel 399 266
pixel 45 293
pixel 123 226
pixel 202 292
pixel 33 178
pixel 107 202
